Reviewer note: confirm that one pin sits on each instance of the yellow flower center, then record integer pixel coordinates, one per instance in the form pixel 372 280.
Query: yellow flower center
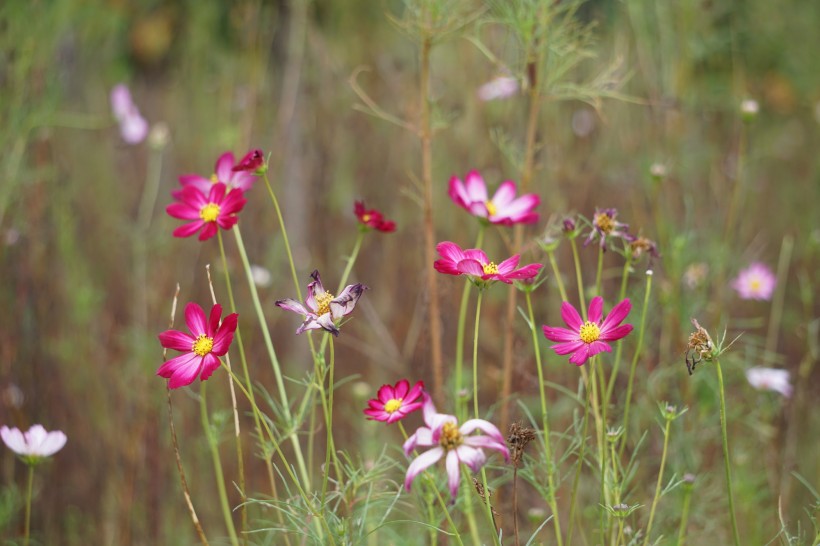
pixel 365 218
pixel 589 332
pixel 214 179
pixel 491 208
pixel 604 222
pixel 450 436
pixel 203 345
pixel 754 284
pixel 209 212
pixel 392 405
pixel 323 303
pixel 490 269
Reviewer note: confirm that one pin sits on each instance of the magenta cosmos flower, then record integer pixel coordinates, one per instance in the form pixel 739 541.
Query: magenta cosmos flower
pixel 394 403
pixel 455 444
pixel 372 218
pixel 322 309
pixel 207 341
pixel 475 263
pixel 35 444
pixel 756 282
pixel 605 226
pixel 223 172
pixel 587 339
pixel 209 212
pixel 133 127
pixel 503 208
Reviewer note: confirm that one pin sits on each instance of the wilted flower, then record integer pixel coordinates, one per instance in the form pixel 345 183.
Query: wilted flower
pixel 503 208
pixel 770 379
pixel 604 226
pixel 456 444
pixel 394 403
pixel 210 213
pixel 699 347
pixel 586 339
pixel 35 444
pixel 756 282
pixel 372 218
pixel 639 245
pixel 133 126
pixel 207 341
pixel 253 162
pixel 323 308
pixel 501 87
pixel 223 172
pixel 475 263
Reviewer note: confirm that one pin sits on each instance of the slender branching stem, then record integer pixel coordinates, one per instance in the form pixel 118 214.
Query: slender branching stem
pixel 578 467
pixel 475 353
pixel 599 271
pixel 557 273
pixel 29 494
pixel 578 279
pixel 462 321
pixel 726 460
pixel 659 482
pixel 684 515
pixel 616 365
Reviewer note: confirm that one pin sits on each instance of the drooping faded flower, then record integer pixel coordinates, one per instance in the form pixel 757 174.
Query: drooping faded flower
pixel 770 379
pixel 455 444
pixel 223 172
pixel 587 339
pixel 640 245
pixel 133 127
pixel 504 208
pixel 394 403
pixel 756 282
pixel 209 211
pixel 372 218
pixel 475 263
pixel 322 309
pixel 501 87
pixel 33 445
pixel 605 226
pixel 207 341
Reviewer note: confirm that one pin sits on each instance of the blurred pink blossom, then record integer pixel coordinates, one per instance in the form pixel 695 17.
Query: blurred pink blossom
pixel 504 208
pixel 133 126
pixel 35 444
pixel 501 87
pixel 474 263
pixel 770 379
pixel 756 282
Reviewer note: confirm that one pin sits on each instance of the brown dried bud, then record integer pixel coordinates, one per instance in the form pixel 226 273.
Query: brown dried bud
pixel 517 440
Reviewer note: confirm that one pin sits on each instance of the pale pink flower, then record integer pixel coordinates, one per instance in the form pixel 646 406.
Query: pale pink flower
pixel 133 126
pixel 504 208
pixel 322 310
pixel 587 339
pixel 756 282
pixel 455 444
pixel 394 403
pixel 770 379
pixel 474 263
pixel 501 87
pixel 35 444
pixel 605 226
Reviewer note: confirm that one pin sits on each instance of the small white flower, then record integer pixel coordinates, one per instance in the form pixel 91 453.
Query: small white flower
pixel 501 87
pixel 770 379
pixel 261 276
pixel 35 444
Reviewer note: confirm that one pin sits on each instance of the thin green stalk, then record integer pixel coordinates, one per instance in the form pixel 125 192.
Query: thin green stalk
pixel 600 271
pixel 726 460
pixel 488 508
pixel 220 479
pixel 602 450
pixel 659 482
pixel 329 426
pixel 284 236
pixel 579 281
pixel 351 260
pixel 280 384
pixel 619 351
pixel 637 354
pixel 776 315
pixel 29 493
pixel 580 465
pixel 557 275
pixel 545 423
pixel 475 353
pixel 462 320
pixel 684 515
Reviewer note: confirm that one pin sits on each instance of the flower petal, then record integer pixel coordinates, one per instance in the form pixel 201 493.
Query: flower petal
pixel 615 333
pixel 571 316
pixel 401 388
pixel 223 167
pixel 188 229
pixel 292 305
pixel 471 456
pixel 475 187
pixel 559 334
pixel 618 314
pixel 421 463
pixel 195 319
pixel 176 340
pixel 503 196
pixel 569 347
pixel 470 267
pixel 453 474
pixel 596 307
pixel 344 303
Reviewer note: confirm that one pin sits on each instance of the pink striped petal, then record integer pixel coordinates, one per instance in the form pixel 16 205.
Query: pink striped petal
pixel 559 334
pixel 195 319
pixel 178 341
pixel 596 307
pixel 453 474
pixel 421 463
pixel 571 317
pixel 618 313
pixel 475 187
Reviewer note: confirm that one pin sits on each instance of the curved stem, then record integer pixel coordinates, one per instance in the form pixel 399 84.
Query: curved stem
pixel 557 274
pixel 462 321
pixel 331 448
pixel 659 483
pixel 284 236
pixel 29 493
pixel 580 465
pixel 599 272
pixel 727 463
pixel 475 353
pixel 619 351
pixel 544 423
pixel 579 281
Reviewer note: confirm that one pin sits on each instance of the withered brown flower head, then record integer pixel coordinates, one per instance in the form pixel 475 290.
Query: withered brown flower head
pixel 699 347
pixel 518 439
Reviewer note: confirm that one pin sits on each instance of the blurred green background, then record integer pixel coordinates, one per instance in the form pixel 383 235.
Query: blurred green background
pixel 87 279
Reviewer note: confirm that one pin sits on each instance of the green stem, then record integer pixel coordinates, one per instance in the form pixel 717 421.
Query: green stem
pixel 351 260
pixel 488 508
pixel 599 272
pixel 220 479
pixel 726 460
pixel 580 465
pixel 475 353
pixel 579 281
pixel 462 320
pixel 29 493
pixel 660 481
pixel 284 236
pixel 330 451
pixel 619 351
pixel 602 449
pixel 544 422
pixel 557 275
pixel 641 331
pixel 277 371
pixel 684 516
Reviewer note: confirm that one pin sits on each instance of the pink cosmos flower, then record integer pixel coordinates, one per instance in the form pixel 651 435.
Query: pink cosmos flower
pixel 207 341
pixel 587 339
pixel 503 208
pixel 605 226
pixel 456 444
pixel 475 263
pixel 372 218
pixel 756 282
pixel 501 87
pixel 223 172
pixel 133 126
pixel 323 308
pixel 35 444
pixel 253 162
pixel 770 379
pixel 395 403
pixel 217 210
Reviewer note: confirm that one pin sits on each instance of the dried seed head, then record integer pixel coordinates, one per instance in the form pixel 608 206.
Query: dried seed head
pixel 699 347
pixel 518 439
